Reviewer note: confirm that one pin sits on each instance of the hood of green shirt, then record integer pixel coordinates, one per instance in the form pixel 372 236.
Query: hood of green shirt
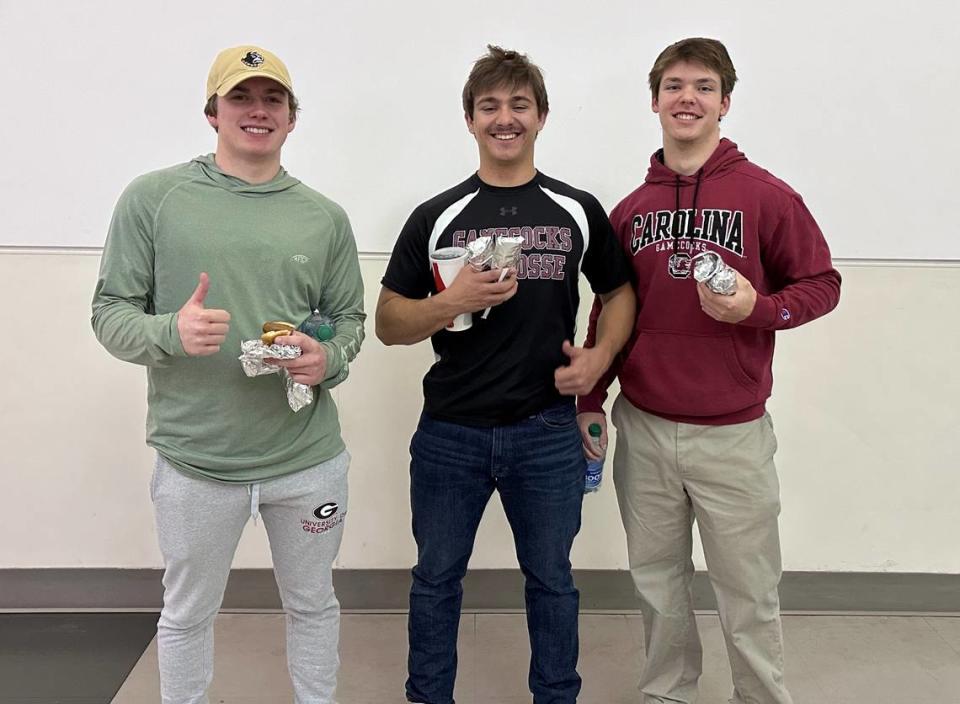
pixel 281 182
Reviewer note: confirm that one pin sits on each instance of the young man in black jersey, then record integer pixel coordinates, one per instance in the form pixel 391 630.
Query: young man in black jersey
pixel 499 401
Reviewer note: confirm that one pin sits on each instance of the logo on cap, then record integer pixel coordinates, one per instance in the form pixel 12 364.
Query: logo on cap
pixel 252 59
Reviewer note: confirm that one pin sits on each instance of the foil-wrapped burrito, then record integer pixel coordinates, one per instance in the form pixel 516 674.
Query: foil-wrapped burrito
pixel 253 359
pixel 480 253
pixel 506 253
pixel 709 268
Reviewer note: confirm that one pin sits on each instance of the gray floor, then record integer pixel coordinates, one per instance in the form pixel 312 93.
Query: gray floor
pixel 69 658
pixel 830 660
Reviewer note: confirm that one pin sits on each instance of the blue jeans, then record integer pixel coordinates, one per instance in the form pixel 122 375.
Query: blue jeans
pixel 537 465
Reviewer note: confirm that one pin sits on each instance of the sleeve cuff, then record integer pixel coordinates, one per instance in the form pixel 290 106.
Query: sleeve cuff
pixel 334 361
pixel 764 313
pixel 176 344
pixel 591 403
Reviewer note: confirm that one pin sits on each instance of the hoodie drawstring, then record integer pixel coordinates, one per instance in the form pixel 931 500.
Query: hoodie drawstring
pixel 677 236
pixel 696 195
pixel 676 214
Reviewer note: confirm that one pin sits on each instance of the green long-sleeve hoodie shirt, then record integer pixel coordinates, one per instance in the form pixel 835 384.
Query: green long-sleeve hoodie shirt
pixel 273 251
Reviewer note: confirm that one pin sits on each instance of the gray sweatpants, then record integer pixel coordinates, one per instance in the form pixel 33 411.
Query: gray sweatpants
pixel 199 524
pixel 667 475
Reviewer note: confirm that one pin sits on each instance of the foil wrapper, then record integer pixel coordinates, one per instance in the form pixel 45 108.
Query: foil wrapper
pixel 709 268
pixel 480 253
pixel 298 395
pixel 724 281
pixel 253 360
pixel 506 253
pixel 253 355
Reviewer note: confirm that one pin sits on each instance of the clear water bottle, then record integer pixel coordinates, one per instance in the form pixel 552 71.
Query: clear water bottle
pixel 594 467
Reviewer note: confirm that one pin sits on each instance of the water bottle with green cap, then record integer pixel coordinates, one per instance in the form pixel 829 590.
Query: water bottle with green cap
pixel 319 326
pixel 594 473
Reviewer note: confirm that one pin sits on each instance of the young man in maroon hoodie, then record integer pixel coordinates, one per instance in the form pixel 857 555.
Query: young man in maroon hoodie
pixel 694 441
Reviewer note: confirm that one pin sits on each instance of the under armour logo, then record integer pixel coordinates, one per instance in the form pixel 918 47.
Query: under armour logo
pixel 508 211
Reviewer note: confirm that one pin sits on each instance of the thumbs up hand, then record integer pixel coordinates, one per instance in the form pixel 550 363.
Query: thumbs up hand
pixel 202 330
pixel 586 366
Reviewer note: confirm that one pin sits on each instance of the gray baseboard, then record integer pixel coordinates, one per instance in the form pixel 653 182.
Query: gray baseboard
pixel 386 590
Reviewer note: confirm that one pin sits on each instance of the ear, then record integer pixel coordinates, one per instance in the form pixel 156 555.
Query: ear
pixel 655 105
pixel 469 120
pixel 541 122
pixel 293 123
pixel 724 105
pixel 214 123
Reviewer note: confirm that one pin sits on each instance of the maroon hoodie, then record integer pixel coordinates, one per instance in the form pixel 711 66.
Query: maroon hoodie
pixel 680 363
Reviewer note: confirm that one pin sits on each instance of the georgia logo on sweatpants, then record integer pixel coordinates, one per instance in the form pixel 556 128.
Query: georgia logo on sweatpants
pixel 330 516
pixel 325 511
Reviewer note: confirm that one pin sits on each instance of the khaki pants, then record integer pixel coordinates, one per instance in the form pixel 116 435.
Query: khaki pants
pixel 667 476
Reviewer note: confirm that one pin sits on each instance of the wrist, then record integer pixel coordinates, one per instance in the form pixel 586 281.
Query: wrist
pixel 332 364
pixel 447 305
pixel 176 336
pixel 605 352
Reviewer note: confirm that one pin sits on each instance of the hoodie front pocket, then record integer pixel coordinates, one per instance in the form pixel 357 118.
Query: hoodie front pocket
pixel 686 374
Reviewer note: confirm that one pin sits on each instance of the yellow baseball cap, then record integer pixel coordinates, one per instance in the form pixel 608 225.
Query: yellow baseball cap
pixel 235 65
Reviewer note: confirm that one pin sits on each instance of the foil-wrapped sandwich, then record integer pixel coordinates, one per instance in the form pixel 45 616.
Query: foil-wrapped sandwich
pixel 254 356
pixel 709 268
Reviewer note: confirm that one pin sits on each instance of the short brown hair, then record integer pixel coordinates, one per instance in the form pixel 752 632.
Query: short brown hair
pixel 210 109
pixel 697 50
pixel 503 67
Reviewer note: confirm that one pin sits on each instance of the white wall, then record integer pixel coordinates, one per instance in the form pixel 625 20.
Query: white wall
pixel 844 101
pixel 849 102
pixel 865 406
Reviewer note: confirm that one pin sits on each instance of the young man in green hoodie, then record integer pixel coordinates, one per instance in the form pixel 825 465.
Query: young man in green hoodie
pixel 197 258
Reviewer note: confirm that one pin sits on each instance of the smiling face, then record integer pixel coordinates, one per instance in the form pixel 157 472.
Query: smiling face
pixel 505 123
pixel 690 105
pixel 253 121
